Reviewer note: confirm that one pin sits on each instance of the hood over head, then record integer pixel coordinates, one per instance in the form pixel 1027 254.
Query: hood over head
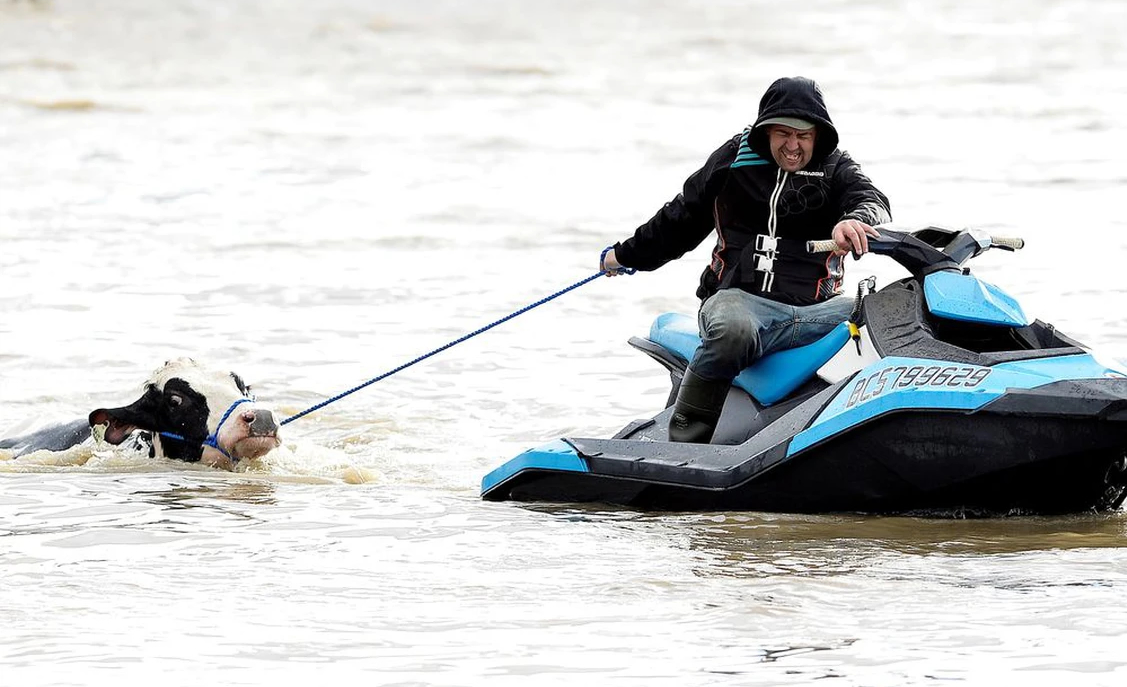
pixel 794 97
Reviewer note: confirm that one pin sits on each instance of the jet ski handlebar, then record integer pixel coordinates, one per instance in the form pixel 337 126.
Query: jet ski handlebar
pixel 1004 242
pixel 822 246
pixel 1007 242
pixel 926 250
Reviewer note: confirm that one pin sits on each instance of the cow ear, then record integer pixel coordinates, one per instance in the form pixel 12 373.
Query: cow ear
pixel 244 388
pixel 121 422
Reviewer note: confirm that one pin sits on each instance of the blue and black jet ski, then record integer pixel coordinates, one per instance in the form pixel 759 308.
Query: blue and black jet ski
pixel 938 396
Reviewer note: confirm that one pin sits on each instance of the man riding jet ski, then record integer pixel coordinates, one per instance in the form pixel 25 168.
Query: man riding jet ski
pixel 937 395
pixel 768 190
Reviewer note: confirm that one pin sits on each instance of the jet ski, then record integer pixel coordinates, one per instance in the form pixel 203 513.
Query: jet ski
pixel 939 395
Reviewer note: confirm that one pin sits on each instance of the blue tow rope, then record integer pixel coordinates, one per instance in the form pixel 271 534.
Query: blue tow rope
pixel 440 349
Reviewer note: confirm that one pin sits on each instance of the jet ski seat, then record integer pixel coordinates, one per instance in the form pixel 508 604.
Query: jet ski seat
pixel 769 379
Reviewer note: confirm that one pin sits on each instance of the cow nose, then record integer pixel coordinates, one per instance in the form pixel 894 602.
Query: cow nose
pixel 261 422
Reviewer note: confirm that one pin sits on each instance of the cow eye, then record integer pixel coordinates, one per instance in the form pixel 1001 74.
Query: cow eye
pixel 175 400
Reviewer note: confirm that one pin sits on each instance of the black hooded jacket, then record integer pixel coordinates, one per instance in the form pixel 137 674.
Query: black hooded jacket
pixel 743 194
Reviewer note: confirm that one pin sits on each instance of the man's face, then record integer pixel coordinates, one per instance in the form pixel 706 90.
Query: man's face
pixel 791 148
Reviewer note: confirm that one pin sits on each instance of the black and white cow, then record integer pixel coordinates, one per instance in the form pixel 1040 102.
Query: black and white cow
pixel 187 412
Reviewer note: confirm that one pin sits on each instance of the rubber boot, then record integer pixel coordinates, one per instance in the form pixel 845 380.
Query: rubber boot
pixel 697 410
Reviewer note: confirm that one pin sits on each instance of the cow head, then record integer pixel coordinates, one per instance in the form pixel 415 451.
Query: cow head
pixel 195 414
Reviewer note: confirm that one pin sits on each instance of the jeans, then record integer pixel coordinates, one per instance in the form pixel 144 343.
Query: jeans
pixel 737 328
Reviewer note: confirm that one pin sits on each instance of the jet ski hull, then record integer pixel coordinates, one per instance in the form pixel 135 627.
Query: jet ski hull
pixel 1007 457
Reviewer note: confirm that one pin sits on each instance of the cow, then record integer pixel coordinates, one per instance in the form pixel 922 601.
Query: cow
pixel 186 412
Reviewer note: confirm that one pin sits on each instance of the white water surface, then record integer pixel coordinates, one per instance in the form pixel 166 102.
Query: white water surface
pixel 313 193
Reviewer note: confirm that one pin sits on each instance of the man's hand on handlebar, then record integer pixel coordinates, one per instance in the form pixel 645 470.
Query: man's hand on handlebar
pixel 852 235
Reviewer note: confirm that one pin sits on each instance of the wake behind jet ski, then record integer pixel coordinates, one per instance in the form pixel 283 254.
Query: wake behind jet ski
pixel 939 395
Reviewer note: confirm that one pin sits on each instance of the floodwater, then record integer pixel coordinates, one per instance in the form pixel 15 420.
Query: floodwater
pixel 314 193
